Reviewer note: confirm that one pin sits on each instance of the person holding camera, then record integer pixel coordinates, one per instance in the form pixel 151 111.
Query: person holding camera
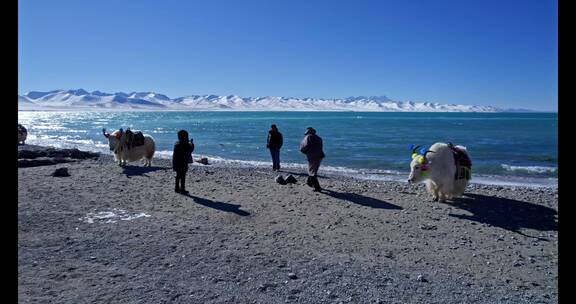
pixel 180 158
pixel 274 143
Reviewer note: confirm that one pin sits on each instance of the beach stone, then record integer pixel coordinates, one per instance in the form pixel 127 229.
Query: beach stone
pixel 61 172
pixel 279 179
pixel 203 160
pixel 291 179
pixel 292 276
pixel 427 227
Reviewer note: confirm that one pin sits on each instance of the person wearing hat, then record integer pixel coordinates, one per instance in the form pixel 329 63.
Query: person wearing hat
pixel 311 145
pixel 180 158
pixel 274 143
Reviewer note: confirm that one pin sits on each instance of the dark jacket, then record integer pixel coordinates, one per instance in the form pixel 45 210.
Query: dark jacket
pixel 275 140
pixel 311 145
pixel 182 155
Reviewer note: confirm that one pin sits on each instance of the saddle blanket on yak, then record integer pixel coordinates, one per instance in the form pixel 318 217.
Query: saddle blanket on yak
pixel 462 162
pixel 134 139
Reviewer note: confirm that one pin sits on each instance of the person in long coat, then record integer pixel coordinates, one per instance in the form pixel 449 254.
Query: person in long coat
pixel 180 158
pixel 312 146
pixel 274 143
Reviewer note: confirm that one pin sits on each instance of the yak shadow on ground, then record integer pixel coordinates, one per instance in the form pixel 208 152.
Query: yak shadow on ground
pixel 361 200
pixel 219 205
pixel 139 170
pixel 508 214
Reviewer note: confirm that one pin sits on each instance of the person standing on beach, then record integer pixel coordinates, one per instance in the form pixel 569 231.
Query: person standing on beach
pixel 274 143
pixel 311 145
pixel 180 158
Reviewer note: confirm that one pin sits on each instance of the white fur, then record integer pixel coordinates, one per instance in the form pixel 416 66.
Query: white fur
pixel 22 134
pixel 124 155
pixel 440 180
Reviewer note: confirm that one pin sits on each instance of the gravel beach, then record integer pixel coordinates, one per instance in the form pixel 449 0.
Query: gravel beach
pixel 107 234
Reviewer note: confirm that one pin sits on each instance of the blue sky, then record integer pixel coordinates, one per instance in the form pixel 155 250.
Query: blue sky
pixel 500 53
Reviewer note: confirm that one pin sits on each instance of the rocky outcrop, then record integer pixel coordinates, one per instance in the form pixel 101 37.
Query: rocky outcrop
pixel 42 156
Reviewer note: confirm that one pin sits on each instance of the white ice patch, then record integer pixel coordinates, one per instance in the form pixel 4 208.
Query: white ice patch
pixel 163 154
pixel 111 216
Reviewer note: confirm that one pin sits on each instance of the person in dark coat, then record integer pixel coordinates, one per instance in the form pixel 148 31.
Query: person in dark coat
pixel 311 145
pixel 180 158
pixel 274 143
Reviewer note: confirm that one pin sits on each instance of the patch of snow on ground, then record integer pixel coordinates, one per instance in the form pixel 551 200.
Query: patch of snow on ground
pixel 111 216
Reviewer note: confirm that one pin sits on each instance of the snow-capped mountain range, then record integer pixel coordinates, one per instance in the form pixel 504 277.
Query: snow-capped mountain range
pixel 84 100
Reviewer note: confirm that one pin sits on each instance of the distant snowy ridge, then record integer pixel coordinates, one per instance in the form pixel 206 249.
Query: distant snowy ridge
pixel 83 100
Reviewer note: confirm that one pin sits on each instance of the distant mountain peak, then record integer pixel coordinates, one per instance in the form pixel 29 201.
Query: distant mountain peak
pixel 78 92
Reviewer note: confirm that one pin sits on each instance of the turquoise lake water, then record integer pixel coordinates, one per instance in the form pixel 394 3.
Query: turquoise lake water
pixel 506 148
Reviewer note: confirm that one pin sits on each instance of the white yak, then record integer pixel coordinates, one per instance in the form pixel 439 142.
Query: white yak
pixel 437 168
pixel 124 153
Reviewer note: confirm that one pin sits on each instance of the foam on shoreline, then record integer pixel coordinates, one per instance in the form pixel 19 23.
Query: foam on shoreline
pixel 530 169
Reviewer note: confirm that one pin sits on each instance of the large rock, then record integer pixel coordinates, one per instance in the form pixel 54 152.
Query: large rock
pixel 42 161
pixel 33 156
pixel 61 172
pixel 202 160
pixel 291 179
pixel 30 154
pixel 52 152
pixel 280 180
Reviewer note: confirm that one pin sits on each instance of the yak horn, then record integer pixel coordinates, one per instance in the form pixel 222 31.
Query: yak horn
pixel 415 148
pixel 104 132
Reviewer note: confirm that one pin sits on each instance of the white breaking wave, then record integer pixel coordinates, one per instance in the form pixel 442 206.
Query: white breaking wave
pixel 515 181
pixel 531 169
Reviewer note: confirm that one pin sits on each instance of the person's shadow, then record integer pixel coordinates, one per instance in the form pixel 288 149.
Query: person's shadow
pixel 218 205
pixel 139 170
pixel 361 200
pixel 508 214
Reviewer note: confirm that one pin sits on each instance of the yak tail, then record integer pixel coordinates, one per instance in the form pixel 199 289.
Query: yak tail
pixel 151 150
